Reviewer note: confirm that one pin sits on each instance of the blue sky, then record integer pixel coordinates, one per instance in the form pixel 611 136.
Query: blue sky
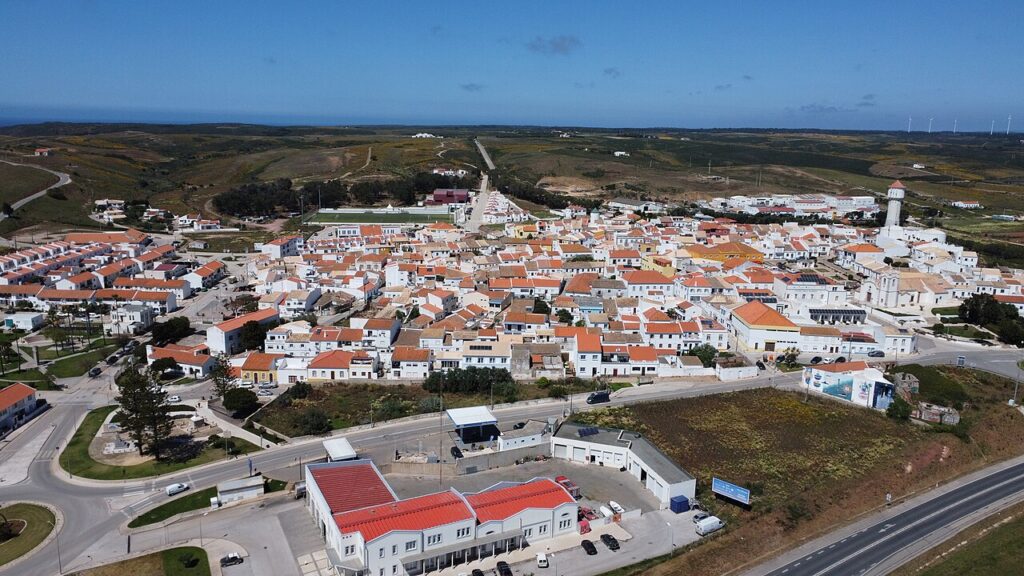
pixel 788 64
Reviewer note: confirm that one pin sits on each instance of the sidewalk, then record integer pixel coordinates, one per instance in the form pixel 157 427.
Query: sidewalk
pixel 203 409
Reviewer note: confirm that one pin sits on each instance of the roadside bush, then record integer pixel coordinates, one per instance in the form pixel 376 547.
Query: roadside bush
pixel 557 391
pixel 314 421
pixel 899 409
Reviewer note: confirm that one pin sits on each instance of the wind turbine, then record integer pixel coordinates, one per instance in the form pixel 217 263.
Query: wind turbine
pixel 992 128
pixel 910 120
pixel 930 125
pixel 954 125
pixel 1008 118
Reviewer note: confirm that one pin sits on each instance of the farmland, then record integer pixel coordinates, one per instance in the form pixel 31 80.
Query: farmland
pixel 810 463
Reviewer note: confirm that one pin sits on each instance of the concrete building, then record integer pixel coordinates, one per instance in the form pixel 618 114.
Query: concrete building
pixel 896 193
pixel 617 449
pixel 224 338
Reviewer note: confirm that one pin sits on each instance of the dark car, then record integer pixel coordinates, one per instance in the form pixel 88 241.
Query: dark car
pixel 876 354
pixel 816 360
pixel 610 541
pixel 599 397
pixel 519 426
pixel 112 360
pixel 589 547
pixel 982 342
pixel 840 360
pixel 477 572
pixel 230 560
pixel 95 372
pixel 456 453
pixel 503 569
pixel 760 365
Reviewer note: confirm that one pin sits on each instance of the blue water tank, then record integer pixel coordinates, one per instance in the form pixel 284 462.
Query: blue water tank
pixel 679 504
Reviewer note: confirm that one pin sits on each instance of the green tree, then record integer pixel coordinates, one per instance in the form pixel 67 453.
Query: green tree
pixel 314 421
pixel 161 365
pixel 6 350
pixel 143 410
pixel 564 316
pixel 706 353
pixel 541 307
pixel 220 373
pixel 7 209
pixel 1010 332
pixel 252 335
pixel 172 330
pixel 789 355
pixel 899 409
pixel 939 328
pixel 241 402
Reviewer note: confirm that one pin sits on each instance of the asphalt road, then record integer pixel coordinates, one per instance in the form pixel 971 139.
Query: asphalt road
pixel 872 546
pixel 94 511
pixel 62 179
pixel 483 152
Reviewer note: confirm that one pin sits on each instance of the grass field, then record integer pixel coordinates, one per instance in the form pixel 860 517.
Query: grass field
pixel 35 531
pixel 164 563
pixel 187 503
pixel 17 182
pixel 967 331
pixel 80 364
pixel 76 459
pixel 994 547
pixel 811 464
pixel 946 311
pixel 379 218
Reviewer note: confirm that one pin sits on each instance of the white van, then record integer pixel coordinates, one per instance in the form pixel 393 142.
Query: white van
pixel 709 525
pixel 542 560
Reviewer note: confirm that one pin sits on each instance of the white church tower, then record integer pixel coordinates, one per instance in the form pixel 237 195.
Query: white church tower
pixel 896 193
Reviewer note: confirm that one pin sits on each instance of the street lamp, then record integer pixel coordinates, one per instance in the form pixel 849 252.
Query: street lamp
pixel 672 538
pixel 56 536
pixel 201 528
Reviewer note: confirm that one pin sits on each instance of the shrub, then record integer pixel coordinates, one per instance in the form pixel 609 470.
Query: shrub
pixel 314 421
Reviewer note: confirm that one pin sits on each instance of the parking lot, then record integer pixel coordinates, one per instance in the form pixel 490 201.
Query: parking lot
pixel 597 484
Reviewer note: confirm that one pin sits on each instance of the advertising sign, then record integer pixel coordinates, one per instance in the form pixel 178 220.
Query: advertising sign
pixel 882 396
pixel 730 491
pixel 840 387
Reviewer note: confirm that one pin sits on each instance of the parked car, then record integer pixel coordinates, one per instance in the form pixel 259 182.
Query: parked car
pixel 599 397
pixel 264 393
pixel 615 507
pixel 231 559
pixel 840 360
pixel 760 365
pixel 826 360
pixel 268 384
pixel 477 572
pixel 589 547
pixel 519 426
pixel 876 354
pixel 542 560
pixel 95 372
pixel 610 541
pixel 112 360
pixel 504 569
pixel 245 385
pixel 816 360
pixel 456 452
pixel 700 516
pixel 709 525
pixel 176 488
pixel 174 398
pixel 172 374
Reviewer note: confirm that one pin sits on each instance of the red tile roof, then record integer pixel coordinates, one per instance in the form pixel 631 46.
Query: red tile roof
pixel 412 514
pixel 239 321
pixel 15 393
pixel 352 487
pixel 506 502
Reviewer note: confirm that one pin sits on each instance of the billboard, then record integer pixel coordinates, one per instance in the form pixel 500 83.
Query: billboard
pixel 730 491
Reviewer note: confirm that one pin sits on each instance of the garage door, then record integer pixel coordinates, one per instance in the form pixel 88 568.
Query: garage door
pixel 579 454
pixel 560 451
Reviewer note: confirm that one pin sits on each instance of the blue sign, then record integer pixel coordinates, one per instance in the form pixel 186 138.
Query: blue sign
pixel 730 491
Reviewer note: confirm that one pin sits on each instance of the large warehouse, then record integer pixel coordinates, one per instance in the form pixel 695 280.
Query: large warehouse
pixel 624 449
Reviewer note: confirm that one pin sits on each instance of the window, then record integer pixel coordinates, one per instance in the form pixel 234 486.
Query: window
pixel 462 533
pixel 381 552
pixel 350 550
pixel 542 529
pixel 394 549
pixel 564 524
pixel 410 545
pixel 434 539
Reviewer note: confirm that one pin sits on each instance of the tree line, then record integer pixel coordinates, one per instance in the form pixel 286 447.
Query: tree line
pixel 268 198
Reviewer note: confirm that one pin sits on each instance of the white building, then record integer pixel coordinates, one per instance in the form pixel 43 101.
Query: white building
pixel 615 449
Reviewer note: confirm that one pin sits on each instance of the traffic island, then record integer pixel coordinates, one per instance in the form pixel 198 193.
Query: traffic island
pixel 23 527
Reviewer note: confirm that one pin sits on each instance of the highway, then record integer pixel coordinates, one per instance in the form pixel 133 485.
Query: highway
pixel 94 511
pixel 873 549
